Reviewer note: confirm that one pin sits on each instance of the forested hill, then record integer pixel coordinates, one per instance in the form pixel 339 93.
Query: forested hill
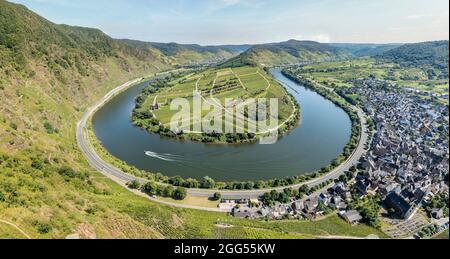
pixel 185 54
pixel 288 52
pixel 365 50
pixel 434 54
pixel 27 38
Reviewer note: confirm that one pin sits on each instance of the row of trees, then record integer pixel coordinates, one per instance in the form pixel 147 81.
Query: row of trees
pixel 288 194
pixel 153 188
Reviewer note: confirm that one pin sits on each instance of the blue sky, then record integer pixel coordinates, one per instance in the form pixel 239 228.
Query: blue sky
pixel 255 21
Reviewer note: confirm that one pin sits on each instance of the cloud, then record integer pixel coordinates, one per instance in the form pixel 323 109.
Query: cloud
pixel 417 16
pixel 323 38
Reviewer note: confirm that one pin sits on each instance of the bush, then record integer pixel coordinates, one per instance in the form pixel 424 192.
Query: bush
pixel 168 191
pixel 36 163
pixel 49 128
pixel 180 193
pixel 217 196
pixel 134 184
pixel 208 183
pixel 151 188
pixel 67 172
pixel 41 227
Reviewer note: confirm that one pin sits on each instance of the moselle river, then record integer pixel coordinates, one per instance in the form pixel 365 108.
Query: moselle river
pixel 324 131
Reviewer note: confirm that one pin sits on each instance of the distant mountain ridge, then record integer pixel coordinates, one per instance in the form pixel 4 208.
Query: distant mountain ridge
pixel 365 50
pixel 185 54
pixel 288 52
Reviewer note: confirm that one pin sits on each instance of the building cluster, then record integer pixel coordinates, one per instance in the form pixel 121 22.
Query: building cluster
pixel 409 157
pixel 407 163
pixel 310 207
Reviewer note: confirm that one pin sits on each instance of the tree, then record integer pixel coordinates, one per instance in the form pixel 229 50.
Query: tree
pixel 217 196
pixel 191 183
pixel 180 193
pixel 134 184
pixel 176 181
pixel 151 188
pixel 283 197
pixel 288 192
pixel 208 183
pixel 304 189
pixel 168 191
pixel 267 199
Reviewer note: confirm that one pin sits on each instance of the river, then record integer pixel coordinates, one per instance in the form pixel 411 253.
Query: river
pixel 324 131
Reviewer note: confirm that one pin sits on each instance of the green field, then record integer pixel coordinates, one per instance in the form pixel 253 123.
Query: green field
pixel 443 235
pixel 342 73
pixel 216 86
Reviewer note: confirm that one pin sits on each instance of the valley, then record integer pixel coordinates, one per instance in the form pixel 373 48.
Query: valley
pixel 89 147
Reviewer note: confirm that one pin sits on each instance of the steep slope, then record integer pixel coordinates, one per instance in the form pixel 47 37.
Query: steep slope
pixel 434 54
pixel 48 75
pixel 288 52
pixel 431 57
pixel 182 54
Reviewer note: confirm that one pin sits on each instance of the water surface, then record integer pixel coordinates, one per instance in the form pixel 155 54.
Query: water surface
pixel 324 131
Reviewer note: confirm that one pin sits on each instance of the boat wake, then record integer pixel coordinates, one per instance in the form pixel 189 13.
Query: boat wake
pixel 164 157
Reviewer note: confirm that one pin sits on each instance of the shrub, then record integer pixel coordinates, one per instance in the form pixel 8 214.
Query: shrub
pixel 134 184
pixel 180 193
pixel 67 172
pixel 151 188
pixel 168 191
pixel 208 183
pixel 217 196
pixel 41 227
pixel 37 163
pixel 49 128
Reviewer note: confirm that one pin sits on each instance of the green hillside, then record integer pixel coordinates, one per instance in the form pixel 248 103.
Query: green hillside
pixel 431 55
pixel 49 74
pixel 365 50
pixel 289 52
pixel 182 54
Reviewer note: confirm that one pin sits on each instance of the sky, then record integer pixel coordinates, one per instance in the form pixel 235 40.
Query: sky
pixel 216 22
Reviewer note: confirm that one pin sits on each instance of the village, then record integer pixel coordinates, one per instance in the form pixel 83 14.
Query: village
pixel 405 168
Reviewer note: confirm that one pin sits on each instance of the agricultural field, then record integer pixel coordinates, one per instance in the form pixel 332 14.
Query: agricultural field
pixel 331 225
pixel 215 87
pixel 342 73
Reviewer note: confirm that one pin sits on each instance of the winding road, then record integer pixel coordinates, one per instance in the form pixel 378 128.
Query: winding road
pixel 122 178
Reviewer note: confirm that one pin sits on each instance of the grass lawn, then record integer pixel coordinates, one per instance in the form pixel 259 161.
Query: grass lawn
pixel 443 235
